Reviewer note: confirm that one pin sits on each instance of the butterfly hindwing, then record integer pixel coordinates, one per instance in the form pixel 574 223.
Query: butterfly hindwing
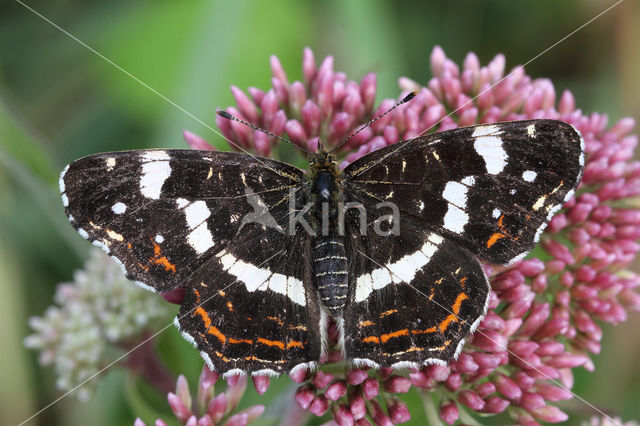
pixel 245 317
pixel 490 188
pixel 414 297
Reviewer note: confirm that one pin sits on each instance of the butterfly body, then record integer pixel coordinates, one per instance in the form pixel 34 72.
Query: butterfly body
pixel 389 246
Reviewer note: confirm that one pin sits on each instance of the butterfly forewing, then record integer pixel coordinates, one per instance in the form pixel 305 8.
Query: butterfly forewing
pixel 490 188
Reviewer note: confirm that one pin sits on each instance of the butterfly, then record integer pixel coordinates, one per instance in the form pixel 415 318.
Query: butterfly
pixel 389 247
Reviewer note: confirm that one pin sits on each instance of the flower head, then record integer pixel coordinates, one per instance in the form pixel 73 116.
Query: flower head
pixel 545 311
pixel 96 316
pixel 208 409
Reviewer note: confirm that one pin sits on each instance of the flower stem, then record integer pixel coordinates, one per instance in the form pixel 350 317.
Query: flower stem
pixel 430 409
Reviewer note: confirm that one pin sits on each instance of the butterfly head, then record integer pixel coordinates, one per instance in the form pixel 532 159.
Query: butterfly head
pixel 323 160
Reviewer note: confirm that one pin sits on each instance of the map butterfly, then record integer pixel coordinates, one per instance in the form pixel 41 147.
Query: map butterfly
pixel 268 253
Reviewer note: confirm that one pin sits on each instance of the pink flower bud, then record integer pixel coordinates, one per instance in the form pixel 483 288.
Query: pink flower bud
pixel 206 420
pixel 238 420
pixel 567 103
pixel 336 391
pixel 523 380
pixel 180 410
pixel 397 384
pixel 370 388
pixel 342 415
pixel 531 401
pixel 471 400
pixel 175 296
pixel 247 108
pixel 507 387
pixel 379 417
pixel 261 383
pixel 235 391
pixel 484 389
pixel 449 412
pixel 358 406
pixel 550 414
pixel 304 396
pixel 494 404
pixel 438 58
pixel 399 413
pixel 308 65
pixel 319 406
pixel 196 142
pixel 356 376
pixel 368 86
pixel 454 381
pixel 217 407
pixel 553 393
pixel 465 364
pixel 321 379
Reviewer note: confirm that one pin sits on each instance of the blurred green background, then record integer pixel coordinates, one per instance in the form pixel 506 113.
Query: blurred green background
pixel 60 101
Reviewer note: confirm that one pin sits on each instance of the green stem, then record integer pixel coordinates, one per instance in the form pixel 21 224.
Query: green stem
pixel 433 418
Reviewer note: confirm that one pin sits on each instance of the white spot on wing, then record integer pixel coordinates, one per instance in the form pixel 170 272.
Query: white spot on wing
pixel 200 239
pixel 83 233
pixel 490 129
pixel 61 180
pixel 102 245
pixel 254 277
pixel 529 175
pixel 111 163
pixel 403 270
pixel 364 362
pixel 159 239
pixel 181 202
pixel 114 235
pixel 456 193
pixel 531 130
pixel 495 213
pixel 65 200
pixel 265 372
pixel 569 195
pixel 155 170
pixel 455 219
pixel 119 208
pixel 234 372
pixel 196 213
pixel 305 365
pixel 491 151
pixel 207 360
pixel 469 181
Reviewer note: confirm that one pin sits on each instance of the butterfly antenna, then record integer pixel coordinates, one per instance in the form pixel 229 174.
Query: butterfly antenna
pixel 225 114
pixel 373 120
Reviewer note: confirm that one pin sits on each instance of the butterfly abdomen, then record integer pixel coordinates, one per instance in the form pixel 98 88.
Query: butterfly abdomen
pixel 330 270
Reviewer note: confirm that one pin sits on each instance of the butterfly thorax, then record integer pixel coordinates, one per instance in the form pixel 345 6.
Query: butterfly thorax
pixel 328 254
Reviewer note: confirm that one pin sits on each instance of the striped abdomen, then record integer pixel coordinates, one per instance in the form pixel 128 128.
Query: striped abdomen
pixel 330 269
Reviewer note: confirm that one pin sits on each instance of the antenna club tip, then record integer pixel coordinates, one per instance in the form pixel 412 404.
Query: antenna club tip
pixel 224 114
pixel 410 96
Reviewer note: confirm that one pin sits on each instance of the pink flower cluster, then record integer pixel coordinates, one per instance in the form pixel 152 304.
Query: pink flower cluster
pixel 209 409
pixel 545 312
